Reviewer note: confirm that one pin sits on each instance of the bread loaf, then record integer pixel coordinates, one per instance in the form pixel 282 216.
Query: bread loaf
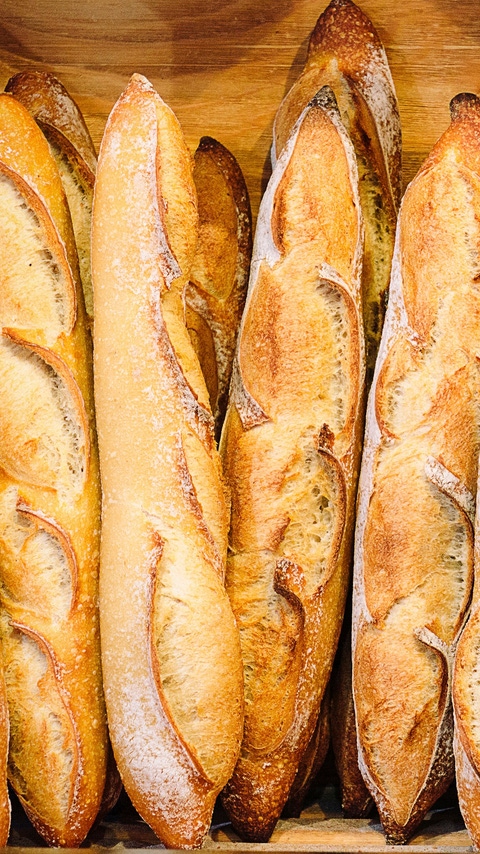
pixel 170 646
pixel 59 117
pixel 346 54
pixel 49 497
pixel 414 535
pixel 291 447
pixel 215 295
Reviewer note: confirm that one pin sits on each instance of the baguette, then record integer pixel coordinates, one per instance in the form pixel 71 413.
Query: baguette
pixel 414 535
pixel 170 645
pixel 60 119
pixel 49 497
pixel 346 54
pixel 291 448
pixel 216 293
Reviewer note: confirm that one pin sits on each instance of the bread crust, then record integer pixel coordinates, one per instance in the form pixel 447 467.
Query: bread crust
pixel 170 646
pixel 215 295
pixel 414 535
pixel 61 120
pixel 283 436
pixel 49 498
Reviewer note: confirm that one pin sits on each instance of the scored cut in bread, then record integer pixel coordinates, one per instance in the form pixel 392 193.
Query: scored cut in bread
pixel 466 110
pixel 346 54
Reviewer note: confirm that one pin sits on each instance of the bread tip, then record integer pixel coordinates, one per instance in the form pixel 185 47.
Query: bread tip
pixel 462 103
pixel 140 82
pixel 338 4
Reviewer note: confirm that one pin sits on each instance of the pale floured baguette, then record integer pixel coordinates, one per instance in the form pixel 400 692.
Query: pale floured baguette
pixel 170 646
pixel 414 536
pixel 49 497
pixel 62 122
pixel 346 54
pixel 215 295
pixel 291 447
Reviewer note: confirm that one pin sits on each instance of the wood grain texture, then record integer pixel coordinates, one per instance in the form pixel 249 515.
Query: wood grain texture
pixel 224 65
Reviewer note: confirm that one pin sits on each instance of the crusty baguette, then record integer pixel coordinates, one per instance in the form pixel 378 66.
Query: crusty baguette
pixel 346 54
pixel 49 497
pixel 170 646
pixel 216 293
pixel 291 446
pixel 60 118
pixel 414 535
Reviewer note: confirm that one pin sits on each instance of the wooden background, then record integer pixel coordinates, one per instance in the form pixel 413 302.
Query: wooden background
pixel 224 65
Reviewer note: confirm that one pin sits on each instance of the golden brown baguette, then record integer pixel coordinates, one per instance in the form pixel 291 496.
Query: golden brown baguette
pixel 291 447
pixel 346 54
pixel 49 497
pixel 216 293
pixel 60 118
pixel 414 536
pixel 170 646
